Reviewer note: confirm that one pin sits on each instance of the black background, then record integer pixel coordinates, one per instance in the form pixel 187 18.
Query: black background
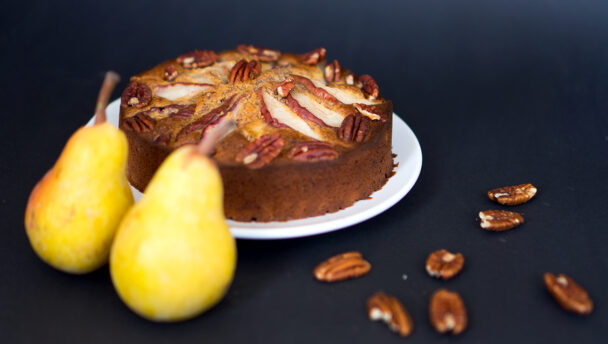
pixel 498 93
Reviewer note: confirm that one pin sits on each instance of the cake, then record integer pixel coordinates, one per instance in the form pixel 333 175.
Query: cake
pixel 310 137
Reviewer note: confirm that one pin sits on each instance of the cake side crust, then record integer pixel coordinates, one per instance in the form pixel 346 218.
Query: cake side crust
pixel 286 191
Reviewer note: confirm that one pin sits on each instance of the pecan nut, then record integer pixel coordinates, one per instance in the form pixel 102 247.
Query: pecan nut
pixel 444 264
pixel 243 71
pixel 136 94
pixel 285 87
pixel 332 71
pixel 163 139
pixel 341 267
pixel 371 112
pixel 369 86
pixel 173 110
pixel 447 312
pixel 354 128
pixel 381 306
pixel 178 110
pixel 312 151
pixel 350 79
pixel 512 195
pixel 170 73
pixel 263 54
pixel 261 151
pixel 197 59
pixel 499 220
pixel 139 122
pixel 313 56
pixel 568 294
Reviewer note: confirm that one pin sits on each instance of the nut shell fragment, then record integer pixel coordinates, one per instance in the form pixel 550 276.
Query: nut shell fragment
pixel 568 294
pixel 381 306
pixel 341 267
pixel 512 195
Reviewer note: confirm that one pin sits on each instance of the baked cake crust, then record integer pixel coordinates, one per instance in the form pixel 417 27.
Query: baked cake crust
pixel 311 137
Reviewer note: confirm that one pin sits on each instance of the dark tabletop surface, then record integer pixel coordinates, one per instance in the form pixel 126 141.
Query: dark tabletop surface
pixel 497 92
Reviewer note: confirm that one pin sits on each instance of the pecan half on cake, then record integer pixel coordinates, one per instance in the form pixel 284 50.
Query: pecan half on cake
pixel 310 136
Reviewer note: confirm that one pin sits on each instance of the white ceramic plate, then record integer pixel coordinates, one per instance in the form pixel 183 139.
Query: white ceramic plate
pixel 409 158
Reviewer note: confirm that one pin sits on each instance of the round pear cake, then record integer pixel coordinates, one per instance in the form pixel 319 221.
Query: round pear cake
pixel 311 137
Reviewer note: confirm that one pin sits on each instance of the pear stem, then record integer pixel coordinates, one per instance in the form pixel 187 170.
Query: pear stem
pixel 109 82
pixel 206 145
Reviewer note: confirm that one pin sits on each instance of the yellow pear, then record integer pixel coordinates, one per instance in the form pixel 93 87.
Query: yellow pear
pixel 173 256
pixel 74 211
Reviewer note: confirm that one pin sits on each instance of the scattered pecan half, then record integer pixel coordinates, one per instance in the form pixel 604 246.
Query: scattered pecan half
pixel 568 294
pixel 447 312
pixel 513 195
pixel 312 151
pixel 371 111
pixel 369 86
pixel 243 71
pixel 139 122
pixel 499 220
pixel 444 264
pixel 197 59
pixel 263 54
pixel 136 94
pixel 341 267
pixel 285 87
pixel 354 128
pixel 170 73
pixel 261 151
pixel 313 56
pixel 381 306
pixel 332 71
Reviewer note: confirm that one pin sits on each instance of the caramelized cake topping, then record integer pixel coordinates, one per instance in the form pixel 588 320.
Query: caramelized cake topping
pixel 298 106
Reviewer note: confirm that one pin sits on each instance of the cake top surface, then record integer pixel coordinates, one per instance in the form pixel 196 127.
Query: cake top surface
pixel 301 102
